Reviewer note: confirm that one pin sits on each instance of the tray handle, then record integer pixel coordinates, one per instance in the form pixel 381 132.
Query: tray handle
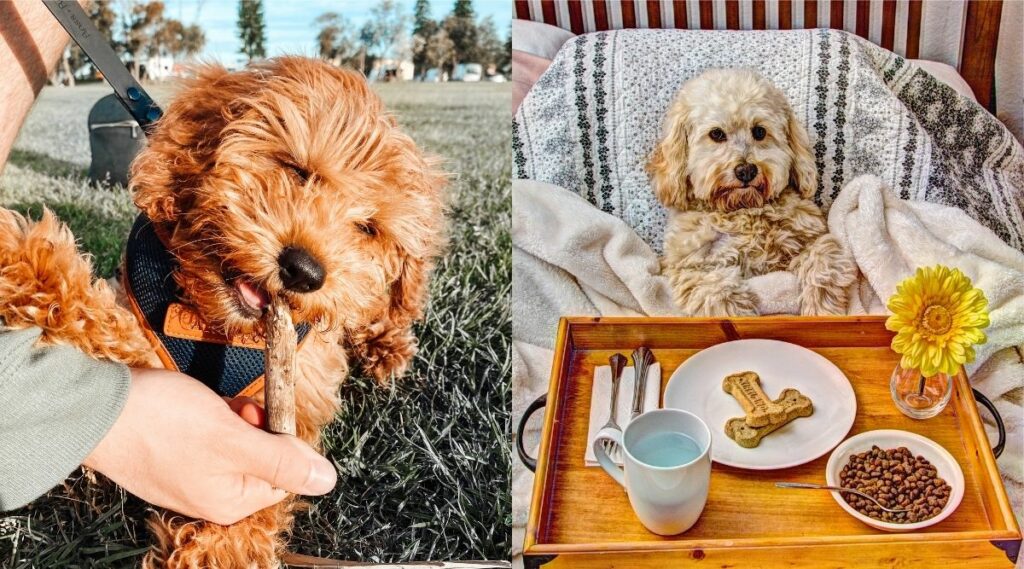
pixel 529 461
pixel 987 403
pixel 539 403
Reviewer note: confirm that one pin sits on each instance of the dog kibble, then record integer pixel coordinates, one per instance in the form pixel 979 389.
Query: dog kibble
pixel 897 479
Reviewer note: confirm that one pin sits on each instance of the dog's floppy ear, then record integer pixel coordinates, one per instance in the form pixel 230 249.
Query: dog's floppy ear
pixel 386 345
pixel 667 165
pixel 409 292
pixel 804 174
pixel 409 289
pixel 184 143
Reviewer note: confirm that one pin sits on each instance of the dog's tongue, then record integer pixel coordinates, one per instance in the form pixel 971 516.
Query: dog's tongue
pixel 252 296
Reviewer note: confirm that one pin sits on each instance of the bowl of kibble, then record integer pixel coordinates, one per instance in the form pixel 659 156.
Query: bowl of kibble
pixel 903 471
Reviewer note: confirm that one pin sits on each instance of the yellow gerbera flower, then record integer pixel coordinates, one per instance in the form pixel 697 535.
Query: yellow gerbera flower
pixel 938 316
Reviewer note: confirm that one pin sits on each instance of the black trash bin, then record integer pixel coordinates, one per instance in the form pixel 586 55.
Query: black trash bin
pixel 115 138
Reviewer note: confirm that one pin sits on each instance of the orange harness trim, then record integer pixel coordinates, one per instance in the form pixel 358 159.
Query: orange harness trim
pixel 185 323
pixel 183 326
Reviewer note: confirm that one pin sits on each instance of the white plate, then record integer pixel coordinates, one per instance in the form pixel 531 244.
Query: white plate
pixel 696 386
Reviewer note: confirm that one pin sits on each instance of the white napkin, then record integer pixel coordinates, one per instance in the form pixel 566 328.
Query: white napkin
pixel 601 396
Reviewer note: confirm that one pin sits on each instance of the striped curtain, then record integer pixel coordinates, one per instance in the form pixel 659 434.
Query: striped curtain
pixel 892 24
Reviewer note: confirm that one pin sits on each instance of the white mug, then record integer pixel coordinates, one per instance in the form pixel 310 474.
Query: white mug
pixel 667 499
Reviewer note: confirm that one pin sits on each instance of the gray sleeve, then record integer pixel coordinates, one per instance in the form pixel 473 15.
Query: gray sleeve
pixel 56 404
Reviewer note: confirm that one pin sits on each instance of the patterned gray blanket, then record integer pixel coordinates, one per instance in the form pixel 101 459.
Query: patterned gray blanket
pixel 591 120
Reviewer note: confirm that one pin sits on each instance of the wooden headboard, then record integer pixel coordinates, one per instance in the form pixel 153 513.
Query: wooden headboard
pixel 892 24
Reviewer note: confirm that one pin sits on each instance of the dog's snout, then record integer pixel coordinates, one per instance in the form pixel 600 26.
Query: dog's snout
pixel 745 172
pixel 300 272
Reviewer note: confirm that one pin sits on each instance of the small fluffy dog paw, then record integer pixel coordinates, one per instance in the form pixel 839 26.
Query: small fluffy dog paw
pixel 822 302
pixel 825 271
pixel 740 303
pixel 719 292
pixel 384 352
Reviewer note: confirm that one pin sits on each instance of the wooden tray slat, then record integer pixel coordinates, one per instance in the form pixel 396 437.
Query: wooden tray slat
pixel 580 510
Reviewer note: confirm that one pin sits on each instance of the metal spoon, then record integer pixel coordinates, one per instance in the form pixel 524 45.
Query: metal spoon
pixel 803 485
pixel 618 363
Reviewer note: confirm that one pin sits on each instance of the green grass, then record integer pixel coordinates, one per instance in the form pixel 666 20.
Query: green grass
pixel 424 464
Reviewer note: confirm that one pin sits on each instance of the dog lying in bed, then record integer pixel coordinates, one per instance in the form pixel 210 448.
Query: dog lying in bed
pixel 735 169
pixel 287 179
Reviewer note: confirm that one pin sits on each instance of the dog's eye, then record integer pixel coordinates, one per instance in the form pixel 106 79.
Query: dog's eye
pixel 301 173
pixel 759 132
pixel 368 228
pixel 717 134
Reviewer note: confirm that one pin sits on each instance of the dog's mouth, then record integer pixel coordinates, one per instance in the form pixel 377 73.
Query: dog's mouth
pixel 731 198
pixel 760 188
pixel 251 298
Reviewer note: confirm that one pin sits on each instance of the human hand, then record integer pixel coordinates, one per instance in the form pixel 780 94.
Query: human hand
pixel 249 410
pixel 179 446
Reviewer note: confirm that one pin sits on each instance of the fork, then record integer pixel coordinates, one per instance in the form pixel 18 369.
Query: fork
pixel 618 363
pixel 838 489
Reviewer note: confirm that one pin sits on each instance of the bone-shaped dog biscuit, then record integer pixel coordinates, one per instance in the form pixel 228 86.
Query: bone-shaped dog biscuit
pixel 760 409
pixel 796 405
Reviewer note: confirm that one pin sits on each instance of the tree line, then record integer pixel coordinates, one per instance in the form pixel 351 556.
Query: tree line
pixel 138 29
pixel 459 37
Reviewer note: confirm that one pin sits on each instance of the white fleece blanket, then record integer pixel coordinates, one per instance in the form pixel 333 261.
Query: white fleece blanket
pixel 571 258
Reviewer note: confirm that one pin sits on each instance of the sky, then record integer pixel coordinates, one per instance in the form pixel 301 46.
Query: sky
pixel 290 27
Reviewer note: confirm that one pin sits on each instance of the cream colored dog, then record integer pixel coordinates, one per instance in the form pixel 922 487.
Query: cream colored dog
pixel 736 171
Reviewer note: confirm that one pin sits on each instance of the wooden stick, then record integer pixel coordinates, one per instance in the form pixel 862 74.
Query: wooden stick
pixel 279 367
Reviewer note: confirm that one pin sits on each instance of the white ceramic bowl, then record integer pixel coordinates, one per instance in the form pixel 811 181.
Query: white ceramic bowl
pixel 944 463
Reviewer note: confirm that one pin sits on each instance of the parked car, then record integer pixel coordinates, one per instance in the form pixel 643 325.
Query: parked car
pixel 468 72
pixel 435 75
pixel 497 78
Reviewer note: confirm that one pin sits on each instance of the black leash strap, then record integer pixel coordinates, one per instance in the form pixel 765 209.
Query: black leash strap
pixel 131 94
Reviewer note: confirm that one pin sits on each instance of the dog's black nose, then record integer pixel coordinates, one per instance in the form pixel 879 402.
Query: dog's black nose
pixel 745 172
pixel 300 272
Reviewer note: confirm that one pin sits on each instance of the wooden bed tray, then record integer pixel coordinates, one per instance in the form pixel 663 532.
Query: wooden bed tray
pixel 580 518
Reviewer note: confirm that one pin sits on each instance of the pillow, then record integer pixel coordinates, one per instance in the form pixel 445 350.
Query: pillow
pixel 946 74
pixel 590 122
pixel 534 45
pixel 537 38
pixel 526 69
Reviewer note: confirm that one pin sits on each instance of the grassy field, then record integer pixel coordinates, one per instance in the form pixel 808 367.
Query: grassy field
pixel 423 465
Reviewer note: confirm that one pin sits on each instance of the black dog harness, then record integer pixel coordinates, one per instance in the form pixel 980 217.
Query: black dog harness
pixel 229 366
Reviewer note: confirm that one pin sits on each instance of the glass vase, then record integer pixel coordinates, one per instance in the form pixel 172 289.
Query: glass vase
pixel 920 397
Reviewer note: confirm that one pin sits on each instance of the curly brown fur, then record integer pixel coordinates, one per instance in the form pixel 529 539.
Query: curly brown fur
pixel 45 283
pixel 289 153
pixel 735 169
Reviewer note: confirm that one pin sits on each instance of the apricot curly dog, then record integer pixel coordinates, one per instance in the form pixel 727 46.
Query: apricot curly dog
pixel 736 171
pixel 288 178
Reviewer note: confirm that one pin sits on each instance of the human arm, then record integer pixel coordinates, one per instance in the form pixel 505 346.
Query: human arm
pixel 31 43
pixel 56 403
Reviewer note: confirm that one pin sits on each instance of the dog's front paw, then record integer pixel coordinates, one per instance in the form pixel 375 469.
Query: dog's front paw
pixel 718 292
pixel 253 542
pixel 384 352
pixel 823 301
pixel 825 271
pixel 739 303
